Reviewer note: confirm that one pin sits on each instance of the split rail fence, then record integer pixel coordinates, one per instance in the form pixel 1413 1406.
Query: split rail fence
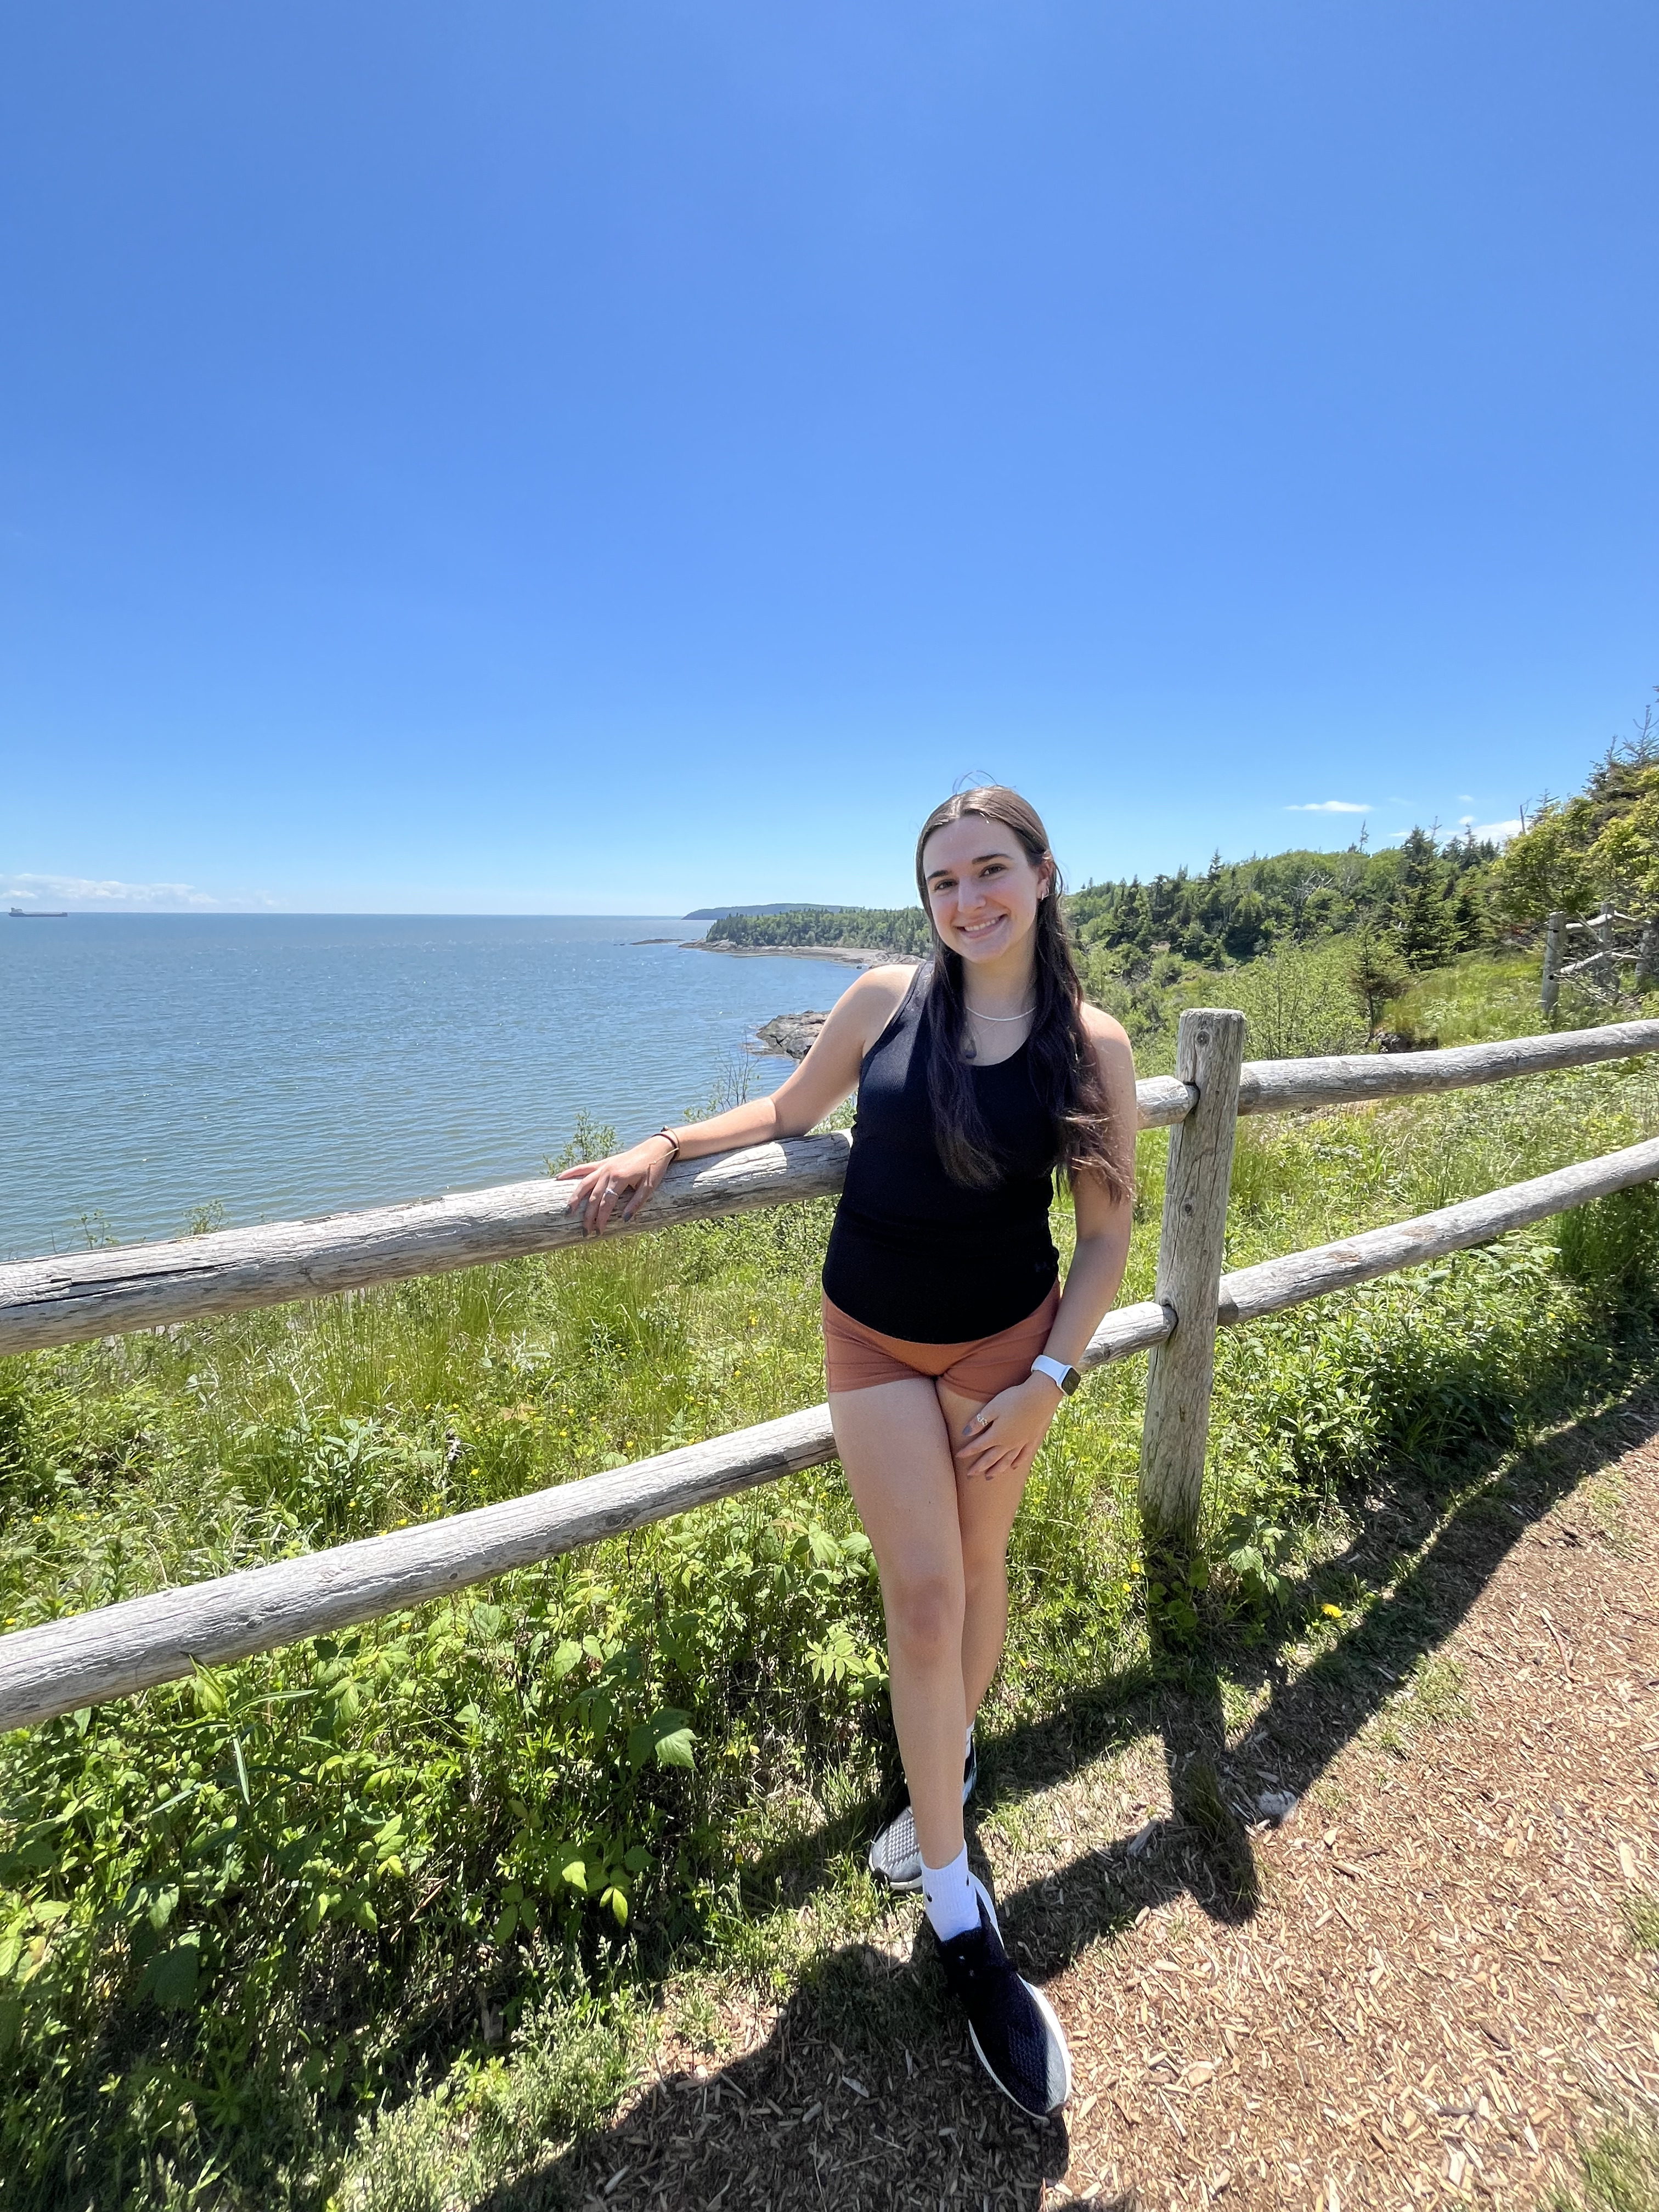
pixel 1601 971
pixel 120 1650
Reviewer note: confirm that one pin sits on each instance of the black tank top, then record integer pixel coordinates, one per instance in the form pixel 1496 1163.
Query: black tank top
pixel 912 1253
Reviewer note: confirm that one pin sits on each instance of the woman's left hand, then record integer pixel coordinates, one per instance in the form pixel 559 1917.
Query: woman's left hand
pixel 1004 1437
pixel 626 1179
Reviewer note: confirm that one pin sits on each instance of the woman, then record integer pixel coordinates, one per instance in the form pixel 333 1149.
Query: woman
pixel 947 1342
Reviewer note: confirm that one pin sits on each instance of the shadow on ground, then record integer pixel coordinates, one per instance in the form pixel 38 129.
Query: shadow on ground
pixel 1438 1563
pixel 865 2094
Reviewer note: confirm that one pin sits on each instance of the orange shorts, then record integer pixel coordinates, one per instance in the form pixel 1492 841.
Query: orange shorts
pixel 857 1358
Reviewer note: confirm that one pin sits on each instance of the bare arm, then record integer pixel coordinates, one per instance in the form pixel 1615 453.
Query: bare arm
pixel 828 1073
pixel 1103 1223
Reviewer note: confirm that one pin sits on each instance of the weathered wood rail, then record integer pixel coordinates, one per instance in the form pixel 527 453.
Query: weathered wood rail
pixel 68 1298
pixel 117 1651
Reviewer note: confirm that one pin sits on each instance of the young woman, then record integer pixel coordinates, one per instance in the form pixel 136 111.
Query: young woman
pixel 947 1341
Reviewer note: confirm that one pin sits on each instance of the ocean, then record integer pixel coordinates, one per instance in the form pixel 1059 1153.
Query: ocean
pixel 272 1067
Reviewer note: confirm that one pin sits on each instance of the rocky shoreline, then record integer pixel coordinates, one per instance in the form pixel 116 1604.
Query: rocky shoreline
pixel 855 955
pixel 790 1036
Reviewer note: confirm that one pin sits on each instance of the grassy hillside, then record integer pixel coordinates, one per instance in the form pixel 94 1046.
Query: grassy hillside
pixel 1302 999
pixel 374 1920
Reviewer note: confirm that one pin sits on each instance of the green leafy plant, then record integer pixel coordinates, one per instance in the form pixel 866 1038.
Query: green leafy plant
pixel 1255 1551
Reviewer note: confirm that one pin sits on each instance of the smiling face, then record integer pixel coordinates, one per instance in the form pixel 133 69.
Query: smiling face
pixel 982 890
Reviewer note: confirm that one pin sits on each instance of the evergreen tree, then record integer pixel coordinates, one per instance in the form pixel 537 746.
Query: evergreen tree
pixel 1472 920
pixel 1425 921
pixel 1134 918
pixel 1377 975
pixel 1247 927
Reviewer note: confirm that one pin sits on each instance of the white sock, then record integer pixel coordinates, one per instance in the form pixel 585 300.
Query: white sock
pixel 952 1904
pixel 968 1747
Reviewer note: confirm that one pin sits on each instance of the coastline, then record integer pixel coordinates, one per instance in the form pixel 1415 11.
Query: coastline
pixel 855 955
pixel 790 1036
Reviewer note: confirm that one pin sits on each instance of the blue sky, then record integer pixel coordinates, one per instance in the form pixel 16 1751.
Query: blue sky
pixel 593 457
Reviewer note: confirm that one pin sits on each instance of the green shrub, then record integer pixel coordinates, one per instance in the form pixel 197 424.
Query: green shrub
pixel 1297 1001
pixel 219 1899
pixel 1611 1246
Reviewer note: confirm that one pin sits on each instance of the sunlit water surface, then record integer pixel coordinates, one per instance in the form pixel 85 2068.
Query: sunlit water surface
pixel 285 1065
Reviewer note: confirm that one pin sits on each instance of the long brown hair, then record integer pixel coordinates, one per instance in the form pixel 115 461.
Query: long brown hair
pixel 1064 1069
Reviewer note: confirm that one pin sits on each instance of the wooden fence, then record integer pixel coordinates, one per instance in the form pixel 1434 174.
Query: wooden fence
pixel 118 1650
pixel 1601 971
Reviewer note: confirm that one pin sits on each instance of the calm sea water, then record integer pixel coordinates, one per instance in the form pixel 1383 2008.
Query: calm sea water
pixel 283 1065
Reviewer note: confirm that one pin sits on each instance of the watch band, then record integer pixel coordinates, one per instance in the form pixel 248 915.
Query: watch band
pixel 1068 1377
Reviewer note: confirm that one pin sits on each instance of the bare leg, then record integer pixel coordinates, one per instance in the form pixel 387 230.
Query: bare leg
pixel 894 1444
pixel 985 1515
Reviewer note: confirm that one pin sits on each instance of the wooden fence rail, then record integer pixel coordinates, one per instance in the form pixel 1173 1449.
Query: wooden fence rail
pixel 117 1649
pixel 67 1298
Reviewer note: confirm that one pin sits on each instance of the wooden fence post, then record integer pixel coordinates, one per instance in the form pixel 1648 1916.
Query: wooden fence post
pixel 1209 1048
pixel 1607 960
pixel 1551 989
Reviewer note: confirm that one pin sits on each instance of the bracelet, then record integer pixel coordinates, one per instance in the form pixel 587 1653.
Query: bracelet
pixel 666 1132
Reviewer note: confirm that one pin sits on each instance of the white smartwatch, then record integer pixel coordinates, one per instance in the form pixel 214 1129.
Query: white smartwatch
pixel 1068 1377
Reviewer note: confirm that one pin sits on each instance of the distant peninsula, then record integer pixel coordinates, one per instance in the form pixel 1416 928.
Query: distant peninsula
pixel 783 906
pixel 868 933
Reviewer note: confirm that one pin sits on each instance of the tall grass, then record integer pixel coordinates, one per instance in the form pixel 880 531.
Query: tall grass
pixel 1617 2171
pixel 241 1918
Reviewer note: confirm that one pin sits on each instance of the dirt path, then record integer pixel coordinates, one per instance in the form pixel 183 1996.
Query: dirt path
pixel 1411 1993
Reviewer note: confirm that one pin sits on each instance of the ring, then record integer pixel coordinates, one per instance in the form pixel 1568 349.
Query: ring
pixel 610 1190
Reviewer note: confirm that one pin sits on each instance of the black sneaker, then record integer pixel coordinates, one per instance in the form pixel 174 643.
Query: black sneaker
pixel 896 1855
pixel 1015 2035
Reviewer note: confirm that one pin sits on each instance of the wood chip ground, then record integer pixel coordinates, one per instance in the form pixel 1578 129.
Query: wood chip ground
pixel 1424 1986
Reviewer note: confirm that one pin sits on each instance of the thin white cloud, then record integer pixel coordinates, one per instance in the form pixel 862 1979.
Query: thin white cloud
pixel 1484 833
pixel 96 893
pixel 1332 807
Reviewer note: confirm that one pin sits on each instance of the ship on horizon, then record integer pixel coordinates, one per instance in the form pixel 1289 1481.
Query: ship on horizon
pixel 23 914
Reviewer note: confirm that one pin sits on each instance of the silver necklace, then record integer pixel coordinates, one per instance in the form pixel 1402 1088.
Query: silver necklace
pixel 968 1049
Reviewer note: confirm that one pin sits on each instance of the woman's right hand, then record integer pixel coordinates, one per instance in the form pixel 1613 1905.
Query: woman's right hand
pixel 625 1179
